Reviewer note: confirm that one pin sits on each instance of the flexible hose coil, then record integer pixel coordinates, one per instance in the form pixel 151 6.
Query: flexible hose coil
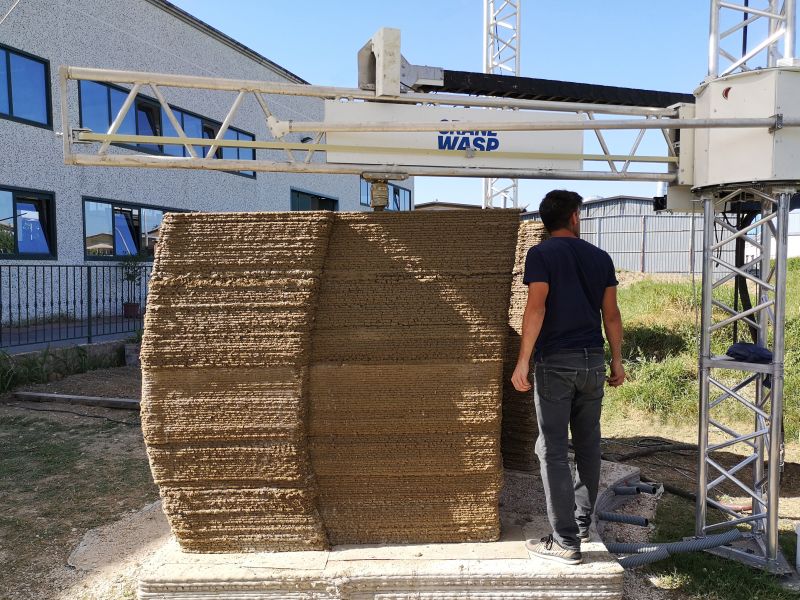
pixel 637 560
pixel 711 541
pixel 627 519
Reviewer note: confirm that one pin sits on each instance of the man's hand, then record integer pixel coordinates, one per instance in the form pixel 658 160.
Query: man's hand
pixel 617 376
pixel 520 377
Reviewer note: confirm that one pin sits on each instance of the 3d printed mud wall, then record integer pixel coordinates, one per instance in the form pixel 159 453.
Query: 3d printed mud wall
pixel 519 414
pixel 318 377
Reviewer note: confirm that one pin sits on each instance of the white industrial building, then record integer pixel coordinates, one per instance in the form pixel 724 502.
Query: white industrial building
pixel 639 238
pixel 53 216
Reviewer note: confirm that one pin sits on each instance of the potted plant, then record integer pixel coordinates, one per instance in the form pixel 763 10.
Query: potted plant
pixel 133 270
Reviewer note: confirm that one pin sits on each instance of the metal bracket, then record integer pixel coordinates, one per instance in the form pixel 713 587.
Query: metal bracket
pixel 414 76
pixel 75 134
pixel 377 176
pixel 778 123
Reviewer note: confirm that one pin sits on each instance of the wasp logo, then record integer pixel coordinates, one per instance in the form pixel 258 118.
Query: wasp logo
pixel 484 141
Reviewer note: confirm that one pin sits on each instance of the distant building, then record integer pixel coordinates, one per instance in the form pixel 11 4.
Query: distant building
pixel 640 239
pixel 67 233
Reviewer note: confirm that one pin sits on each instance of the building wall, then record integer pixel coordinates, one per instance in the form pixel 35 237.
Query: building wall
pixel 139 35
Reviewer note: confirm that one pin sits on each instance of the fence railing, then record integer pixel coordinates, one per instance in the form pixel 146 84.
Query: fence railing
pixel 50 303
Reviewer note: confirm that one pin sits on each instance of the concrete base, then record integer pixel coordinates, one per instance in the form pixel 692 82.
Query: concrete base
pixel 496 570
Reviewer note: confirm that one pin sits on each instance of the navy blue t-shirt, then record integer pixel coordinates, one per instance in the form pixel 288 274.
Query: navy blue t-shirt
pixel 578 274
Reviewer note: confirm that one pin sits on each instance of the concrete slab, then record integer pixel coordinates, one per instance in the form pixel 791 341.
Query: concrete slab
pixel 497 570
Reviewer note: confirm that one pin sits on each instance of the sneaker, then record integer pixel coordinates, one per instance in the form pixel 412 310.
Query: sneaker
pixel 549 549
pixel 583 535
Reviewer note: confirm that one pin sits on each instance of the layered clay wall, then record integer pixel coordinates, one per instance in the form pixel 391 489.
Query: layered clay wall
pixel 519 414
pixel 317 377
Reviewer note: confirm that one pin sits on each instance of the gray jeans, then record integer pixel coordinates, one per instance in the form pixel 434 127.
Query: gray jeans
pixel 568 395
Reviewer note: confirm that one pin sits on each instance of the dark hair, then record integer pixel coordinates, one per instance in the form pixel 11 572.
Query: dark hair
pixel 557 208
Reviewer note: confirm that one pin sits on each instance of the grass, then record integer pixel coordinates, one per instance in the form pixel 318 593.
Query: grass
pixel 702 575
pixel 660 349
pixel 58 479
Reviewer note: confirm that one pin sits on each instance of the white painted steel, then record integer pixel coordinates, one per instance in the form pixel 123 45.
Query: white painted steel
pixel 780 27
pixel 501 55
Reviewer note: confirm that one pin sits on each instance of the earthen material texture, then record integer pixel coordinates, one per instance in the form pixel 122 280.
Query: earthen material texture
pixel 519 414
pixel 316 378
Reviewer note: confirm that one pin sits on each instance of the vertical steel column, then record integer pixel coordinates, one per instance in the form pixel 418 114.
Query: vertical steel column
pixel 790 38
pixel 713 40
pixel 762 391
pixel 776 406
pixel 704 367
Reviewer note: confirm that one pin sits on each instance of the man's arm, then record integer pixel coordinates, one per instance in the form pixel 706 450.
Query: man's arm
pixel 531 326
pixel 612 322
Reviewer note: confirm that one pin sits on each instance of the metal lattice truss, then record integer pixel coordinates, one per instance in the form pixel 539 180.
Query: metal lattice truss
pixel 729 388
pixel 770 23
pixel 501 22
pixel 284 152
pixel 501 54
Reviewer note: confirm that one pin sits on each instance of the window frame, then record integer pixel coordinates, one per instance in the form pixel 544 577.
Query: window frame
pixel 361 183
pixel 405 189
pixel 154 103
pixel 119 204
pixel 47 88
pixel 293 190
pixel 49 200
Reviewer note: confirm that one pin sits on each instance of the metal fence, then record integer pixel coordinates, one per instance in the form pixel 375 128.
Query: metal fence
pixel 50 303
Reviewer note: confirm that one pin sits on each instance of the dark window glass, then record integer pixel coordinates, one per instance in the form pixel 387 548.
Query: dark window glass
pixel 193 128
pixel 305 201
pixel 3 83
pixel 31 229
pixel 247 153
pixel 28 89
pixel 151 226
pixel 147 123
pixel 99 233
pixel 128 125
pixel 169 131
pixel 126 221
pixel 364 192
pixel 6 222
pixel 94 106
pixel 210 132
pixel 231 153
pixel 26 220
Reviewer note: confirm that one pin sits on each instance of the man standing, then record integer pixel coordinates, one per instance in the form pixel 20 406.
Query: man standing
pixel 570 284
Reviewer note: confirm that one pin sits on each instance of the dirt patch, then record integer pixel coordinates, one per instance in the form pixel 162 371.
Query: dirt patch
pixel 120 382
pixel 63 471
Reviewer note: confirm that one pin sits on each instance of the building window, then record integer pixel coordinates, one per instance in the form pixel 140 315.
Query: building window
pixel 305 201
pixel 100 103
pixel 26 224
pixel 399 197
pixel 24 87
pixel 115 230
pixel 365 192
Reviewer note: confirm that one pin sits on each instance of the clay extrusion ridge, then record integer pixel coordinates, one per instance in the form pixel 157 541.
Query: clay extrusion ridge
pixel 327 378
pixel 519 413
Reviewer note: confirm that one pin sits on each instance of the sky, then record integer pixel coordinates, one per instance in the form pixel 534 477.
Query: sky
pixel 650 44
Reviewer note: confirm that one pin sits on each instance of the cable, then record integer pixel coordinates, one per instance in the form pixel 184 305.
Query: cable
pixel 72 412
pixel 10 10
